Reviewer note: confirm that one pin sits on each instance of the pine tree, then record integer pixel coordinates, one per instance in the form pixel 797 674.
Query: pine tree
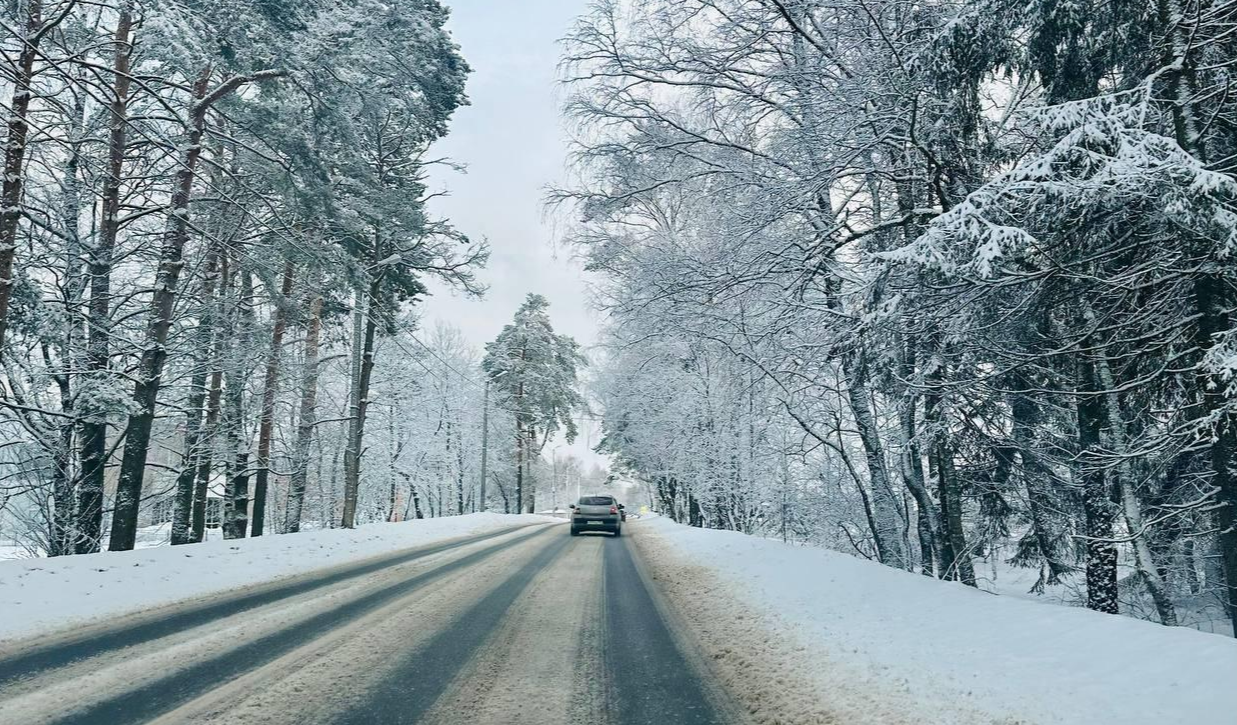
pixel 536 370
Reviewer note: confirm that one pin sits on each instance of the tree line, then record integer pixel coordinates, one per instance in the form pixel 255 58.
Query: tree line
pixel 213 231
pixel 942 284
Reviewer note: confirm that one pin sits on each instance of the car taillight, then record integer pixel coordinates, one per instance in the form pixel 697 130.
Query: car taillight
pixel 613 509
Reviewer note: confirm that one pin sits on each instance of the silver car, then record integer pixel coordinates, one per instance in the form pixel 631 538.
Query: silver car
pixel 597 513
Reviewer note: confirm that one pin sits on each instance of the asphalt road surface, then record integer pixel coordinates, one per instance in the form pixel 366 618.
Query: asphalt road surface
pixel 523 626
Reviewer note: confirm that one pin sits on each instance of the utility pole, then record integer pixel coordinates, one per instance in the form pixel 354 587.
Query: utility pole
pixel 485 441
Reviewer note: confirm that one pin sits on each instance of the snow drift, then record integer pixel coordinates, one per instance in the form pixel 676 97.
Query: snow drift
pixel 875 644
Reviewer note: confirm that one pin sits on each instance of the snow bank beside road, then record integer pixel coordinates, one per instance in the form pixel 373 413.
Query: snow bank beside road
pixel 870 644
pixel 43 594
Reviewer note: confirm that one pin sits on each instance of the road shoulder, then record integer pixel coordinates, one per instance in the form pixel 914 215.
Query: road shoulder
pixel 763 672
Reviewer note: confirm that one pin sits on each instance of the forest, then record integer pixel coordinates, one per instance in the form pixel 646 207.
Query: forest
pixel 945 285
pixel 214 230
pixel 949 286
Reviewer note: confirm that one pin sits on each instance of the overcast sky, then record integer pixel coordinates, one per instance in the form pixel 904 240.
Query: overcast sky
pixel 511 140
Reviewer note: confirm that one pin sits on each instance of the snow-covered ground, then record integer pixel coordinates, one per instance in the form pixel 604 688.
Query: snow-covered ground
pixel 40 594
pixel 994 574
pixel 853 641
pixel 148 537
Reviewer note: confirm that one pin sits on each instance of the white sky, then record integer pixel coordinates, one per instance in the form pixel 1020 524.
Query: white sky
pixel 511 140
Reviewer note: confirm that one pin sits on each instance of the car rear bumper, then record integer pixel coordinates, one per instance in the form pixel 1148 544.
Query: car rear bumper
pixel 594 522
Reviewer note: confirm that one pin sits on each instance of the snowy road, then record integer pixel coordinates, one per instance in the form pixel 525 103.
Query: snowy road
pixel 521 626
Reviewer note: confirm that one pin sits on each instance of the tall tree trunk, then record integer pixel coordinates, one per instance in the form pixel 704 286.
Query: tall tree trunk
pixel 912 472
pixel 485 447
pixel 1144 559
pixel 328 501
pixel 154 354
pixel 885 506
pixel 1211 292
pixel 1188 555
pixel 236 495
pixel 205 459
pixel 415 497
pixel 236 487
pixel 393 458
pixel 529 482
pixel 35 29
pixel 352 445
pixel 1101 553
pixel 93 450
pixel 203 343
pixel 927 515
pixel 1213 305
pixel 666 488
pixel 1131 506
pixel 950 492
pixel 695 516
pixel 61 539
pixel 356 431
pixel 955 552
pixel 459 476
pixel 520 452
pixel 270 385
pixel 502 491
pixel 307 418
pixel 519 463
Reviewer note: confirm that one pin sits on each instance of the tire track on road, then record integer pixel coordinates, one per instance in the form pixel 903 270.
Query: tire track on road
pixel 333 674
pixel 540 665
pixel 650 681
pixel 24 658
pixel 160 694
pixel 410 690
pixel 533 629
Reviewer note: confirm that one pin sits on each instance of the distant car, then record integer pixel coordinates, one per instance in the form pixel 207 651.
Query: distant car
pixel 597 513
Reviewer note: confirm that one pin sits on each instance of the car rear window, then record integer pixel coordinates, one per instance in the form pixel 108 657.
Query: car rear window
pixel 596 501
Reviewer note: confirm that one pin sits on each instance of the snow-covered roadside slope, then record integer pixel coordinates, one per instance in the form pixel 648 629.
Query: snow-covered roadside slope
pixel 810 635
pixel 41 594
